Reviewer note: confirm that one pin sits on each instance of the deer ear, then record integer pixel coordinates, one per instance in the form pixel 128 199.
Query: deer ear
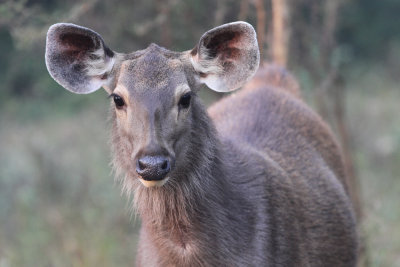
pixel 77 58
pixel 227 56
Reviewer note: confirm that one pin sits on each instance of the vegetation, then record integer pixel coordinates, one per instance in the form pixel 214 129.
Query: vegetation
pixel 59 205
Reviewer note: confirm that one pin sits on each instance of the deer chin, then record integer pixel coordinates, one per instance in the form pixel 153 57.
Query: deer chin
pixel 158 183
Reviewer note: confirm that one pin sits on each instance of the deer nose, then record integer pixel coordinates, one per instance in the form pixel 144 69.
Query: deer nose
pixel 153 168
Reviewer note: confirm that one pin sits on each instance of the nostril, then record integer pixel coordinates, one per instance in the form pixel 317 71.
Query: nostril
pixel 165 164
pixel 141 165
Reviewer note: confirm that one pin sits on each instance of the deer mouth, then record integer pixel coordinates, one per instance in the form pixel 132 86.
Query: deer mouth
pixel 153 183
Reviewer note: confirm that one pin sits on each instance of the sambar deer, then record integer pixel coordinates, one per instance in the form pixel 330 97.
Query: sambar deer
pixel 257 180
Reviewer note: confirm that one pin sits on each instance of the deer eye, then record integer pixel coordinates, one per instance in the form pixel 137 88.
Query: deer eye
pixel 184 102
pixel 119 102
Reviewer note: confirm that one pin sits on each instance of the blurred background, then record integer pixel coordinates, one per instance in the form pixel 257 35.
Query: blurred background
pixel 59 205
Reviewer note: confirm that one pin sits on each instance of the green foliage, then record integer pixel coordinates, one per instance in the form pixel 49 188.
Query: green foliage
pixel 370 27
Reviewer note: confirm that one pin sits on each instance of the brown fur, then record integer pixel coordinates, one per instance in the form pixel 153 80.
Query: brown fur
pixel 257 180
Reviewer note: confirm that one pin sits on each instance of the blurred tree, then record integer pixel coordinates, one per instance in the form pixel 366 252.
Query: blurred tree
pixel 280 32
pixel 363 26
pixel 261 23
pixel 369 28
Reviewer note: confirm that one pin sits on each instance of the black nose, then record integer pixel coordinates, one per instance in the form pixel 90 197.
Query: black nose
pixel 153 168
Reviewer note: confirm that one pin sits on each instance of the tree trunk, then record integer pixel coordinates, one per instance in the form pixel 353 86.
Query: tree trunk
pixel 260 25
pixel 244 10
pixel 220 12
pixel 280 32
pixel 164 9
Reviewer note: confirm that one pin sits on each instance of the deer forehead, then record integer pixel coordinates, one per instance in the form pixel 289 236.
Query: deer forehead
pixel 154 71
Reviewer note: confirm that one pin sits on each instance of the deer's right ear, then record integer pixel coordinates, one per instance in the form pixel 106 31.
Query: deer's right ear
pixel 77 58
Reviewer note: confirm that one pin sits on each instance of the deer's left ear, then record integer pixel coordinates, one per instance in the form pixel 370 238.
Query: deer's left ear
pixel 77 58
pixel 227 56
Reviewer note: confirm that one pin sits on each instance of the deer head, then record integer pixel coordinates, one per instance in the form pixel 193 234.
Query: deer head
pixel 154 90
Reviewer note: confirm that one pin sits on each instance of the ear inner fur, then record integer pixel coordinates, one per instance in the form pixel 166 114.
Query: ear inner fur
pixel 226 57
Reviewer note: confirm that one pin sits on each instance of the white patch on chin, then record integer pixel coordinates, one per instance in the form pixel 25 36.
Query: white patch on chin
pixel 153 183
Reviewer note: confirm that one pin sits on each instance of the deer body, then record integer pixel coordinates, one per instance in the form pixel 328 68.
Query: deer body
pixel 255 181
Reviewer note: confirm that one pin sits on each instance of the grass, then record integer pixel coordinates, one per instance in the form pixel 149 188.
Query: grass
pixel 373 106
pixel 59 205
